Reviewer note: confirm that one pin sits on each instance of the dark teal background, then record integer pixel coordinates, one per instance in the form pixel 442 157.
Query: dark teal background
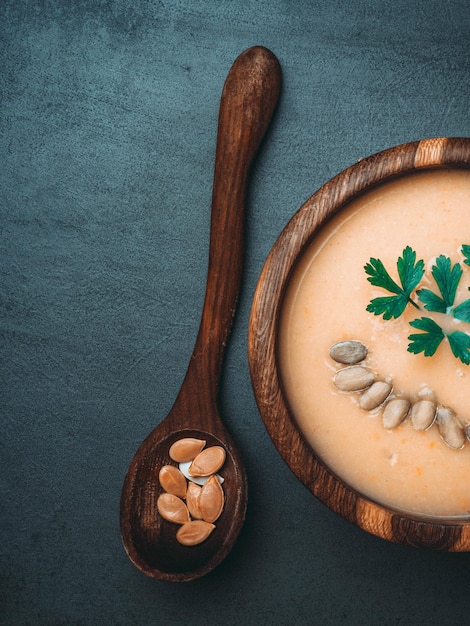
pixel 108 121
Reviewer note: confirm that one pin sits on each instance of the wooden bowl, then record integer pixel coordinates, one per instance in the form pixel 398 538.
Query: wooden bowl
pixel 448 534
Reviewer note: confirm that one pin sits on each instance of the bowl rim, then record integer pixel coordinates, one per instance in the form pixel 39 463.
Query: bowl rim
pixel 441 533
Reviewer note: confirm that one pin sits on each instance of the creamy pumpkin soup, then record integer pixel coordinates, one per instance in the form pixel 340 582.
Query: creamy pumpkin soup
pixel 326 303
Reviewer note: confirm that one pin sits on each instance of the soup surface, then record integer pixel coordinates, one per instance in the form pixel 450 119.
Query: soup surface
pixel 326 302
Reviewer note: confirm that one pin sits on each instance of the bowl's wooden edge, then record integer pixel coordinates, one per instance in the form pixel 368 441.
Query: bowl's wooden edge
pixel 448 535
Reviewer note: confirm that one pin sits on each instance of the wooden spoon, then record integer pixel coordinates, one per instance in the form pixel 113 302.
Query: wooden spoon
pixel 248 100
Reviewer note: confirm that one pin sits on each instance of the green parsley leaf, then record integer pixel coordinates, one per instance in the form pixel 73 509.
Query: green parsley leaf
pixel 462 311
pixel 447 278
pixel 460 345
pixel 466 253
pixel 379 276
pixel 431 301
pixel 427 341
pixel 410 273
pixel 388 306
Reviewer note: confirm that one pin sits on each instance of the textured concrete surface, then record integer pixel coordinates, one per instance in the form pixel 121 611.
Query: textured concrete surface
pixel 107 133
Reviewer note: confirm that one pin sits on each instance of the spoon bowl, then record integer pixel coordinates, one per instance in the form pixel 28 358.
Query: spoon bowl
pixel 248 101
pixel 152 544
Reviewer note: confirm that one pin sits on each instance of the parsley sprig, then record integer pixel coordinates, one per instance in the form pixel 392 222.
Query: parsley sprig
pixel 410 272
pixel 428 341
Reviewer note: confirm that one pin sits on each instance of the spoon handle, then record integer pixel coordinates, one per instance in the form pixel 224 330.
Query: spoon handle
pixel 248 101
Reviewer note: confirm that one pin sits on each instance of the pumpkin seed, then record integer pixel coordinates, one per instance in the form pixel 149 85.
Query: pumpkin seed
pixel 192 500
pixel 449 428
pixel 465 423
pixel 172 508
pixel 186 449
pixel 204 504
pixel 207 462
pixel 423 414
pixel 348 352
pixel 353 378
pixel 172 480
pixel 194 532
pixel 199 480
pixel 395 412
pixel 375 395
pixel 211 500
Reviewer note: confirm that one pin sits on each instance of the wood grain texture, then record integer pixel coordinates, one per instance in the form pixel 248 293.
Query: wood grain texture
pixel 444 534
pixel 248 101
